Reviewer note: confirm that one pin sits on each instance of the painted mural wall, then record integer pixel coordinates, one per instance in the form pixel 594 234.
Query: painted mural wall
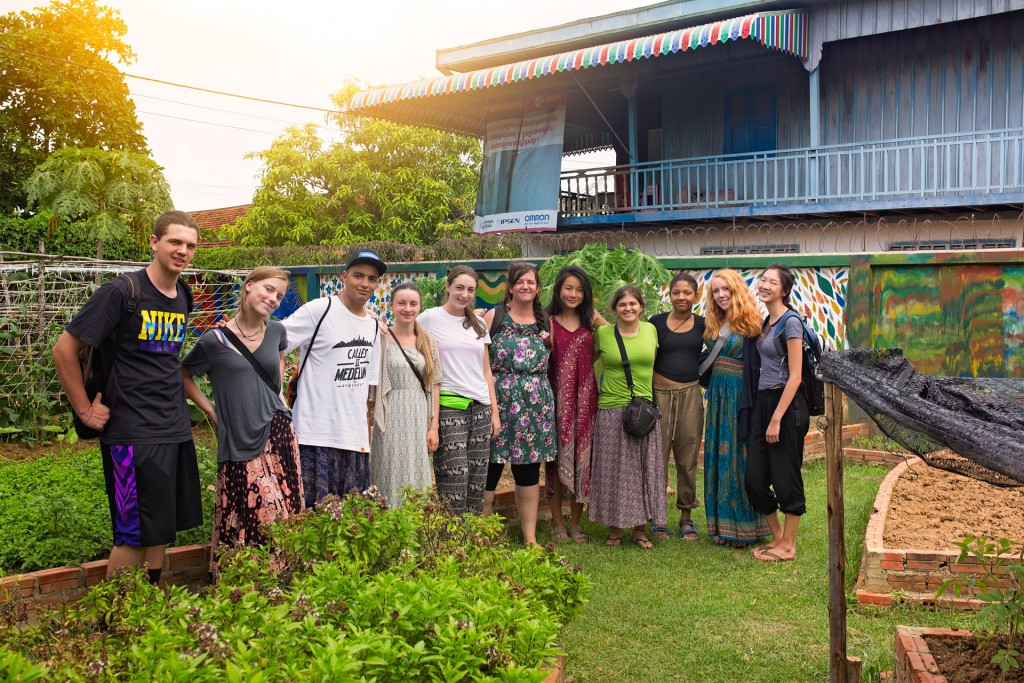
pixel 819 295
pixel 952 319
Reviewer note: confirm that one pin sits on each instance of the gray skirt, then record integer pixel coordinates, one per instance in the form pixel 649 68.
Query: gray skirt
pixel 627 475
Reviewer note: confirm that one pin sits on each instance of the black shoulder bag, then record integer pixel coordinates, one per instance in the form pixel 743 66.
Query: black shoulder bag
pixel 247 354
pixel 641 415
pixel 412 366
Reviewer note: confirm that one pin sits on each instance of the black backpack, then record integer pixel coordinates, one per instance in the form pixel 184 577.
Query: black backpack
pixel 97 362
pixel 810 382
pixel 543 325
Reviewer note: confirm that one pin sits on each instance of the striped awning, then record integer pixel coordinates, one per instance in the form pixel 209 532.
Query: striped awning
pixel 783 31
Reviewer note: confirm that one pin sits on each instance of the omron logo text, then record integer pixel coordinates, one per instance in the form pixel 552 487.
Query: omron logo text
pixel 533 217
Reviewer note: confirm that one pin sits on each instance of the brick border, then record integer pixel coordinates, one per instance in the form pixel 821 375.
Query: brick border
pixel 907 574
pixel 914 661
pixel 185 565
pixel 872 457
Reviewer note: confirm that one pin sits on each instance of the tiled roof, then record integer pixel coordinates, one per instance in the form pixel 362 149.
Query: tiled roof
pixel 214 219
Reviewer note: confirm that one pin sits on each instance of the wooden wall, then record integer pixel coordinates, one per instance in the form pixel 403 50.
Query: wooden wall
pixel 951 78
pixel 693 119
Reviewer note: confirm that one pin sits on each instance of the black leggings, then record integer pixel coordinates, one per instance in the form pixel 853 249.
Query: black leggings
pixel 524 475
pixel 774 480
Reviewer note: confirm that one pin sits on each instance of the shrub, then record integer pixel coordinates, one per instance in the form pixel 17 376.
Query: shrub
pixel 53 511
pixel 351 592
pixel 610 269
pixel 448 249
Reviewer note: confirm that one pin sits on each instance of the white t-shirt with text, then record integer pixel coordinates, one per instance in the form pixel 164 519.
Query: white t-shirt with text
pixel 461 351
pixel 330 409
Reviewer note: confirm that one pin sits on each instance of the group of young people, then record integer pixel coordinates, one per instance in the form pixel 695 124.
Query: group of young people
pixel 444 396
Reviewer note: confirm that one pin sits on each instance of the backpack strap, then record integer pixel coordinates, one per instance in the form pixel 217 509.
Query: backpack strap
pixel 316 331
pixel 780 346
pixel 499 315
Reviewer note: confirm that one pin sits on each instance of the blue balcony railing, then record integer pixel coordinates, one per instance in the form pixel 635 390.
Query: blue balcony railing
pixel 966 164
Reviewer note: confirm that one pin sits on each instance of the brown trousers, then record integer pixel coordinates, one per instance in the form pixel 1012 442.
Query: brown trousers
pixel 682 425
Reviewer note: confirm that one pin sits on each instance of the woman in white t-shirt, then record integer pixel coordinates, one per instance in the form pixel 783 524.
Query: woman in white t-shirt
pixel 469 411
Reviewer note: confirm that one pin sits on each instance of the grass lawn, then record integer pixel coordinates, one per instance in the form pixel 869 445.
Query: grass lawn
pixel 692 611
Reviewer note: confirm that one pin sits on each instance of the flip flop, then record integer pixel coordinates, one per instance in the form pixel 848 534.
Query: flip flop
pixel 643 543
pixel 579 535
pixel 559 534
pixel 613 541
pixel 769 556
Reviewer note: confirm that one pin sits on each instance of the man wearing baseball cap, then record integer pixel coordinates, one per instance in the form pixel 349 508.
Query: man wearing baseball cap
pixel 340 353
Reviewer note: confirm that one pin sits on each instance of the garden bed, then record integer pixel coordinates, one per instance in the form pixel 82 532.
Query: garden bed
pixel 942 655
pixel 350 591
pixel 919 514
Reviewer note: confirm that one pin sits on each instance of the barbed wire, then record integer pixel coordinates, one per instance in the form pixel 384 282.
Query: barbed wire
pixel 863 236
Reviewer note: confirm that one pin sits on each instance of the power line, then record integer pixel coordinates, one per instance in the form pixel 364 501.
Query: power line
pixel 238 113
pixel 208 184
pixel 207 123
pixel 163 82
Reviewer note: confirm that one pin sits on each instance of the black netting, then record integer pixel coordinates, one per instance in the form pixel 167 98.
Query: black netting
pixel 981 419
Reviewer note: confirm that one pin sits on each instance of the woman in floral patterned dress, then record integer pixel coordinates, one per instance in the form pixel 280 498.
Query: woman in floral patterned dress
pixel 519 363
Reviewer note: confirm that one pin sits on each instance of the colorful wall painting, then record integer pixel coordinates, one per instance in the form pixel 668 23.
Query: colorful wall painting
pixel 819 295
pixel 958 320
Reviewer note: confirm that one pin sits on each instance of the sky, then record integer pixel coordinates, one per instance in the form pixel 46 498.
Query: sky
pixel 298 52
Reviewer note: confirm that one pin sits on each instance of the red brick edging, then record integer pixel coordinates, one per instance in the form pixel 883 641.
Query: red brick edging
pixel 185 565
pixel 914 661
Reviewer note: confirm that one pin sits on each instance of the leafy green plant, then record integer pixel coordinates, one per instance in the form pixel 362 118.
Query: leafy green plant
pixel 431 291
pixel 444 249
pixel 1000 588
pixel 611 269
pixel 353 591
pixel 53 510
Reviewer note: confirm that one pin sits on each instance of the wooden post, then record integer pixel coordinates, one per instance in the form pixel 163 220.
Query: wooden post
pixel 836 537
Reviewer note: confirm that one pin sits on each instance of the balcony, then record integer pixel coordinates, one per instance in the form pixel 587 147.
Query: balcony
pixel 967 169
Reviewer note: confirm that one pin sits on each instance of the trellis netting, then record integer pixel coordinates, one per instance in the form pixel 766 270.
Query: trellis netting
pixel 38 296
pixel 981 419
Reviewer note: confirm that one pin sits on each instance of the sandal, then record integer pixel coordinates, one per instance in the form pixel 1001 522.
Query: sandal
pixel 660 532
pixel 559 534
pixel 579 536
pixel 688 530
pixel 613 541
pixel 642 542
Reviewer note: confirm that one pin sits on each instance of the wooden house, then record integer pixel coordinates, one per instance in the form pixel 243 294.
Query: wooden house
pixel 759 112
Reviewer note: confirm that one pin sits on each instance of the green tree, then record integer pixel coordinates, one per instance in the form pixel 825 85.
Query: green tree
pixel 383 181
pixel 59 88
pixel 112 193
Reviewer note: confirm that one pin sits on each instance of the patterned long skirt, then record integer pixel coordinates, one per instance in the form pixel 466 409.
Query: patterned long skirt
pixel 730 516
pixel 257 492
pixel 627 475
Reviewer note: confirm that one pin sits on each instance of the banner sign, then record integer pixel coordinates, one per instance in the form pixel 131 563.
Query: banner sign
pixel 519 178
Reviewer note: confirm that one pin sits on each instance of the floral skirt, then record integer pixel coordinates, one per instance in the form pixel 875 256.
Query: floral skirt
pixel 257 492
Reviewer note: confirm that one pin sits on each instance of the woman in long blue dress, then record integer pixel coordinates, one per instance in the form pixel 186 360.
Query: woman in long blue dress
pixel 733 315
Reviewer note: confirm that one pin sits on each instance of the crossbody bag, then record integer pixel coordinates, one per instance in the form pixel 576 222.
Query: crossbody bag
pixel 641 415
